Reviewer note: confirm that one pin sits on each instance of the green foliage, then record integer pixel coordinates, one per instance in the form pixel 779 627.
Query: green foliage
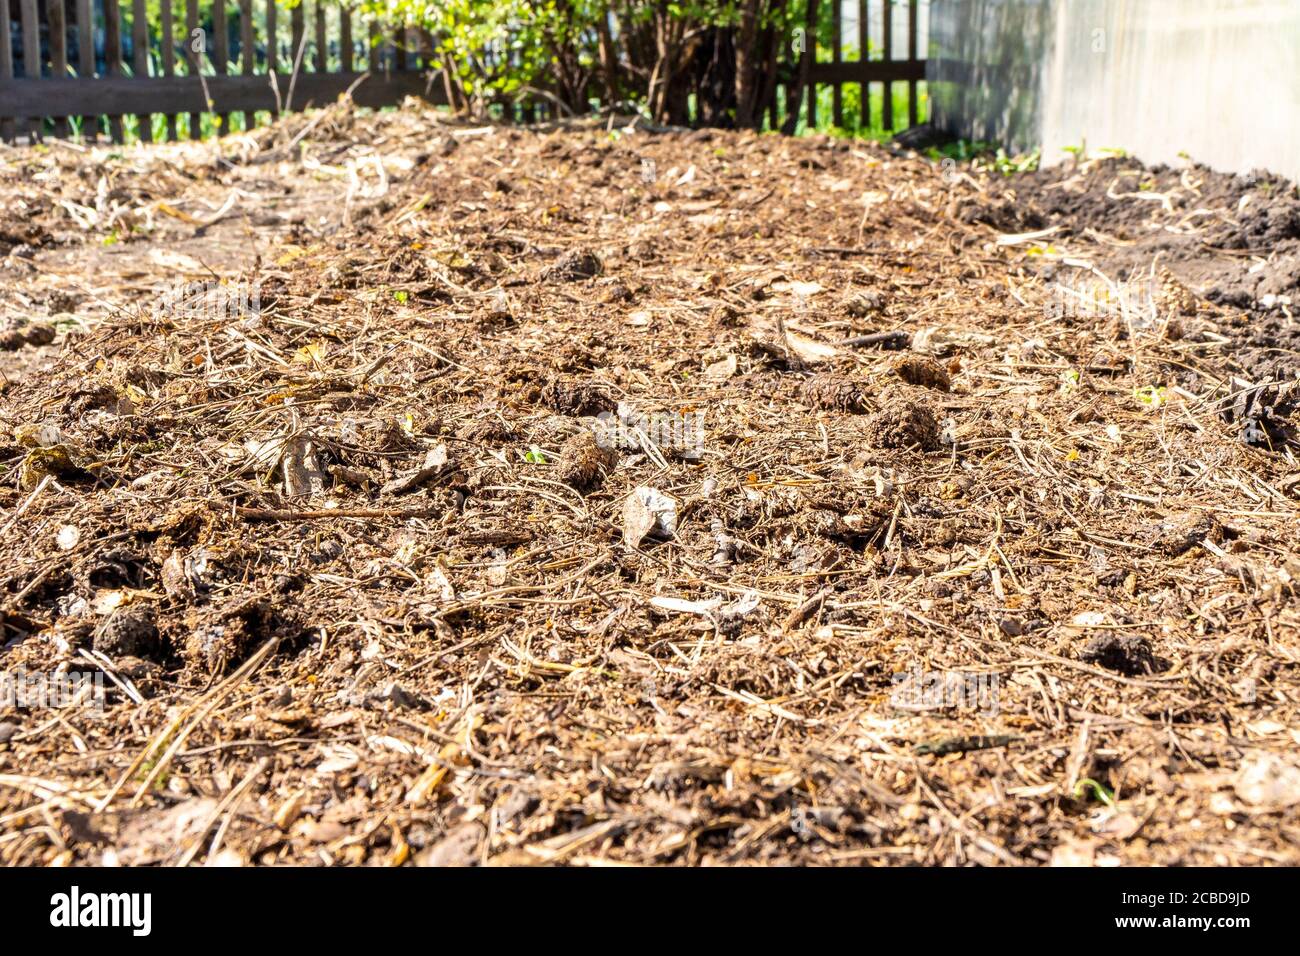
pixel 496 50
pixel 722 62
pixel 568 51
pixel 869 125
pixel 1021 163
pixel 985 156
pixel 962 150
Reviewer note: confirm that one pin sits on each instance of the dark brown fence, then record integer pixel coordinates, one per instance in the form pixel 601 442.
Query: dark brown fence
pixel 257 64
pixel 876 63
pixel 101 60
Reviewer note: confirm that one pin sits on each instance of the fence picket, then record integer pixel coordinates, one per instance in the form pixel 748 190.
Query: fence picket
pixel 140 62
pixel 837 56
pixel 272 41
pixel 887 101
pixel 193 36
pixel 113 58
pixel 169 58
pixel 6 69
pixel 31 39
pixel 322 49
pixel 806 63
pixel 345 38
pixel 297 49
pixel 913 110
pixel 56 14
pixel 219 53
pixel 247 51
pixel 864 59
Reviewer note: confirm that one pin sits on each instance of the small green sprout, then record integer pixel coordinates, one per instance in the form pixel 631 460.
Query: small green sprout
pixel 1153 395
pixel 1022 163
pixel 534 456
pixel 1099 792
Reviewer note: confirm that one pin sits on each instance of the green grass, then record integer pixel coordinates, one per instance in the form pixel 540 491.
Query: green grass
pixel 209 127
pixel 986 156
pixel 857 124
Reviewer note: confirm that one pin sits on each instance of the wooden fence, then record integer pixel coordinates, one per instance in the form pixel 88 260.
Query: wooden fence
pixel 214 61
pixel 884 69
pixel 101 60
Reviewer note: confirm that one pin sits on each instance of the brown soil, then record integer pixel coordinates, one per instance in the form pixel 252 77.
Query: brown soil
pixel 396 570
pixel 1232 240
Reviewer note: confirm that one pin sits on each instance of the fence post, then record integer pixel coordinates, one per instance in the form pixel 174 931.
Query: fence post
pixel 220 55
pixel 247 51
pixel 864 58
pixel 272 41
pixel 194 58
pixel 322 50
pixel 113 57
pixel 6 68
pixel 31 29
pixel 86 62
pixel 811 58
pixel 58 21
pixel 297 48
pixel 169 58
pixel 140 62
pixel 912 41
pixel 345 38
pixel 887 100
pixel 837 57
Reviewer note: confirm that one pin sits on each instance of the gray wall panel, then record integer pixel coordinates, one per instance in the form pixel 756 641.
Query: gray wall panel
pixel 1217 79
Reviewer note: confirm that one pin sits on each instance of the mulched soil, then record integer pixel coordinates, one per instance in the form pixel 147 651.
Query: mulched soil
pixel 404 567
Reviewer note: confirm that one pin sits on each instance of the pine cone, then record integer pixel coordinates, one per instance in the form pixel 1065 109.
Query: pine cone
pixel 833 392
pixel 1172 297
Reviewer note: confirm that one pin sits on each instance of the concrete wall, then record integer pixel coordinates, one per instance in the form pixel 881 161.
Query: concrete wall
pixel 1216 79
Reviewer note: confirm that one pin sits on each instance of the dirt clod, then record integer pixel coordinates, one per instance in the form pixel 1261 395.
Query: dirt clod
pixel 922 371
pixel 574 266
pixel 831 391
pixel 1127 653
pixel 576 398
pixel 859 305
pixel 129 632
pixel 904 423
pixel 14 334
pixel 584 461
pixel 1179 534
pixel 223 635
